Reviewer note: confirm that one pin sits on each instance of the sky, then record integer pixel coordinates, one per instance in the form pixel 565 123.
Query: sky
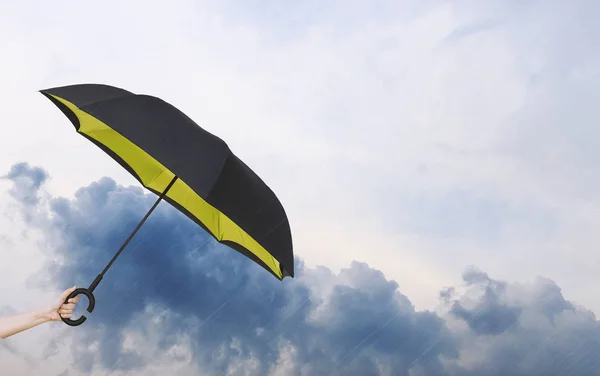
pixel 436 160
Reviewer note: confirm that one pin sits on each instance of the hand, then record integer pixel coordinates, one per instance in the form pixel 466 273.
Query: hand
pixel 60 309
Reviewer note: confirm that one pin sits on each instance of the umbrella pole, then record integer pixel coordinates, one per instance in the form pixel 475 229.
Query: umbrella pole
pixel 89 291
pixel 99 277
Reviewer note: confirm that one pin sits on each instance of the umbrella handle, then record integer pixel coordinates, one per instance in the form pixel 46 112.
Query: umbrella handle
pixel 90 308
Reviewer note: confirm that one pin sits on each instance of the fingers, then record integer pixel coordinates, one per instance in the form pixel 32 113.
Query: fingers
pixel 66 310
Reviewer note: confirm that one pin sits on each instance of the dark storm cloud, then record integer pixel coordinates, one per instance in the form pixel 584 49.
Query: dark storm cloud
pixel 524 329
pixel 26 182
pixel 174 285
pixel 489 316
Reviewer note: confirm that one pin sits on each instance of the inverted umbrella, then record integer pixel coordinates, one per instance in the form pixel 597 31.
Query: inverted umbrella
pixel 190 168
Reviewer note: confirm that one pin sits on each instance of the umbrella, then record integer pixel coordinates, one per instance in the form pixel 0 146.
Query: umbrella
pixel 190 168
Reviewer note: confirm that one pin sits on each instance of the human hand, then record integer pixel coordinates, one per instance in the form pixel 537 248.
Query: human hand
pixel 11 325
pixel 60 308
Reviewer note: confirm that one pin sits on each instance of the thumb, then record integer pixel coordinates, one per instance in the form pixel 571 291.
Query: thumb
pixel 66 293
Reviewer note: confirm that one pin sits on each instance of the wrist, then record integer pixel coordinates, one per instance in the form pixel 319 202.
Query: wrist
pixel 42 315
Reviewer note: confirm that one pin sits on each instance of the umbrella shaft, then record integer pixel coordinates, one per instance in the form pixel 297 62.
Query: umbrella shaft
pixel 163 194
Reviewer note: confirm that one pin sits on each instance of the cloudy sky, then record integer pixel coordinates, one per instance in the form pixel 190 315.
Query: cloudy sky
pixel 437 160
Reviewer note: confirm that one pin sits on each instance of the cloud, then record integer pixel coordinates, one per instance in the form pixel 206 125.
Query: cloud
pixel 26 181
pixel 176 298
pixel 532 329
pixel 490 316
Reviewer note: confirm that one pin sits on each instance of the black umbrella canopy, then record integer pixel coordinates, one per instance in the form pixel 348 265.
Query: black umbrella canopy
pixel 158 143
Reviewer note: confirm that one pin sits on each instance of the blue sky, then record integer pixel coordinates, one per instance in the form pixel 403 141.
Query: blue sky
pixel 418 138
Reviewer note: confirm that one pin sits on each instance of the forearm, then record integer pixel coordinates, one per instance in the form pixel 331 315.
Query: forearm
pixel 14 324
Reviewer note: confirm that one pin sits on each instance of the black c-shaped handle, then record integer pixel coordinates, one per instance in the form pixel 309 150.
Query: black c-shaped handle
pixel 90 308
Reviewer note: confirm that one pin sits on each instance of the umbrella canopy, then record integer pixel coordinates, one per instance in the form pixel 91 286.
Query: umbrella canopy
pixel 158 144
